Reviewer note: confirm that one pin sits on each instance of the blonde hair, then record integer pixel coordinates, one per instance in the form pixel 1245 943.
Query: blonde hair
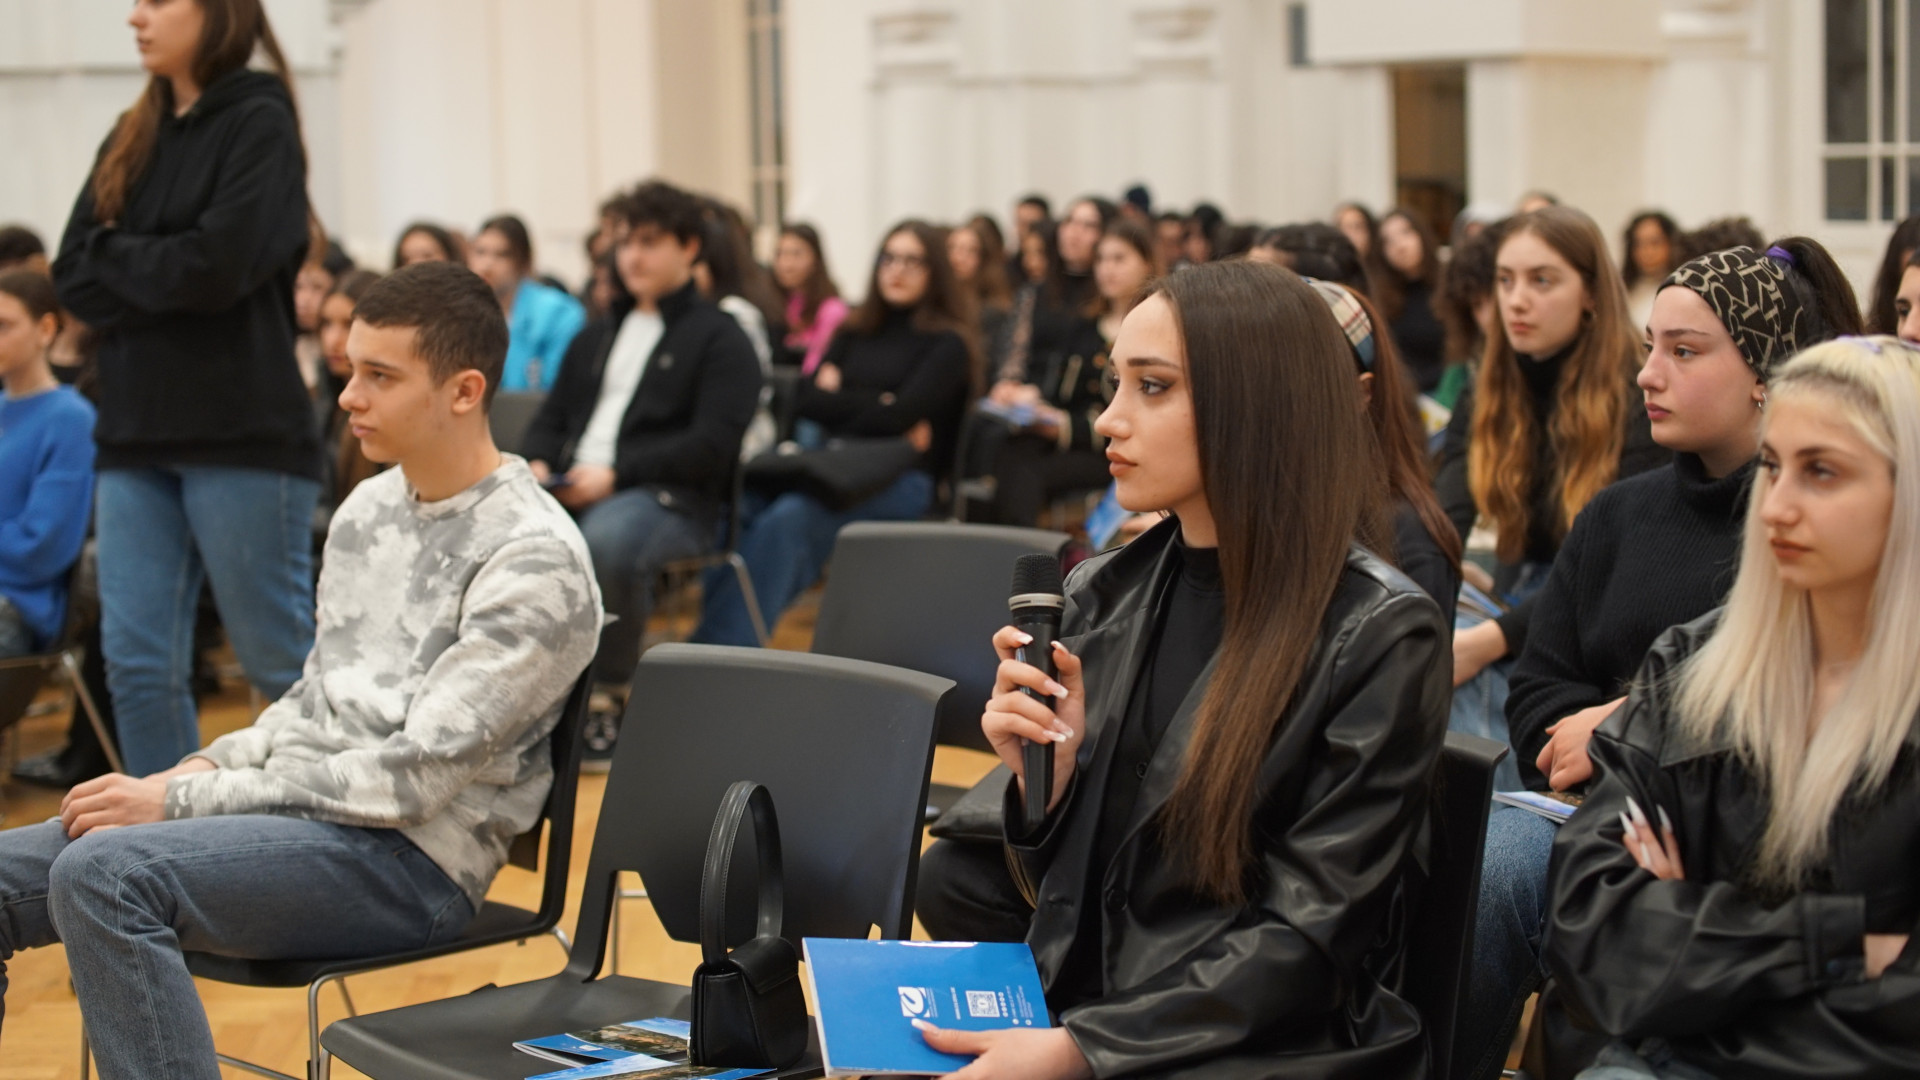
pixel 1752 682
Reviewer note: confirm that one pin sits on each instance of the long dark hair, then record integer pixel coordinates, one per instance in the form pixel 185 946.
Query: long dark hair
pixel 819 286
pixel 1823 287
pixel 514 232
pixel 1401 441
pixel 1134 235
pixel 447 243
pixel 1880 315
pixel 990 288
pixel 1388 286
pixel 1285 462
pixel 1052 286
pixel 231 32
pixel 1629 269
pixel 942 307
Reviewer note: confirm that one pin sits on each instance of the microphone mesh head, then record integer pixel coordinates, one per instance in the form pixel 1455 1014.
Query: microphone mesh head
pixel 1036 574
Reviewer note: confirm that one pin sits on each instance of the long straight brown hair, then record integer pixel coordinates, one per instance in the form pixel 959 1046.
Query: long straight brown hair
pixel 1401 442
pixel 233 29
pixel 944 306
pixel 1290 479
pixel 1589 421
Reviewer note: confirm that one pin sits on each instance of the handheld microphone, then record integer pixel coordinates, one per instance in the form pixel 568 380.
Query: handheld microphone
pixel 1037 601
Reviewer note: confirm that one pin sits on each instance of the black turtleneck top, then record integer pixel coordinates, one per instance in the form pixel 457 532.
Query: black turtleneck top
pixel 1647 553
pixel 1638 453
pixel 1188 620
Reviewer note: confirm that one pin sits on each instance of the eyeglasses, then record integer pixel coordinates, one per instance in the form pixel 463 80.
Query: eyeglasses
pixel 904 262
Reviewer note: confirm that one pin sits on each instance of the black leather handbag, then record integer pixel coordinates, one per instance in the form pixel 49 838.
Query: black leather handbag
pixel 748 1009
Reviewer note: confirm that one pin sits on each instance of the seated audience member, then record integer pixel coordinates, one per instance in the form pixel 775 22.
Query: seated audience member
pixel 979 265
pixel 1553 417
pixel 1032 209
pixel 315 280
pixel 1055 448
pixel 814 307
pixel 22 248
pixel 46 468
pixel 900 367
pixel 1880 315
pixel 424 241
pixel 1646 258
pixel 1468 310
pixel 1718 235
pixel 641 434
pixel 718 276
pixel 1359 225
pixel 342 460
pixel 1312 249
pixel 368 809
pixel 1248 710
pixel 1203 224
pixel 1649 552
pixel 1041 293
pixel 541 320
pixel 1404 273
pixel 1536 200
pixel 1077 237
pixel 1906 300
pixel 1169 232
pixel 1736 894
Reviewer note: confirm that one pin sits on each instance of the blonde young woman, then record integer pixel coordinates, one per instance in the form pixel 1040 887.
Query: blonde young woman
pixel 1734 897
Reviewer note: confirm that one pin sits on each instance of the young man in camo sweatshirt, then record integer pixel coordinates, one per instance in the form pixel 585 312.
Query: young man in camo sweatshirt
pixel 366 811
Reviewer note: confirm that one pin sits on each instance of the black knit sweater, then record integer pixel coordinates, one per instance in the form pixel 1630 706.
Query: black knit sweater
pixel 1649 552
pixel 891 380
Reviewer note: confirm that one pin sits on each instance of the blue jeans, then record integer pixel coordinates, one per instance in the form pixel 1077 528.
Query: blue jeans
pixel 163 533
pixel 631 536
pixel 15 638
pixel 786 543
pixel 1480 703
pixel 1653 1059
pixel 126 901
pixel 1506 937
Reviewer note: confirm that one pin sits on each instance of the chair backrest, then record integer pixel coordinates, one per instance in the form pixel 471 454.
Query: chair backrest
pixel 927 596
pixel 510 415
pixel 22 677
pixel 1440 951
pixel 557 816
pixel 845 749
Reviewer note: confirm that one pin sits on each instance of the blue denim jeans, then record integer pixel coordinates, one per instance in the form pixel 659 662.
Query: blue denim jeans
pixel 631 536
pixel 126 901
pixel 786 543
pixel 1480 703
pixel 1653 1059
pixel 162 534
pixel 1506 937
pixel 15 638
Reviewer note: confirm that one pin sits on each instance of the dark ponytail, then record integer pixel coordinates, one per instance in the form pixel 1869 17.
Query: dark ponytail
pixel 1821 287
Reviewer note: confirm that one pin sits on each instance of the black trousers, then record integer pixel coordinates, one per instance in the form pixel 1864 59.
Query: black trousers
pixel 966 893
pixel 1029 470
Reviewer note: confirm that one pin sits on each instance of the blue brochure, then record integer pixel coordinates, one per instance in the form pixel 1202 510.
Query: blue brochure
pixel 866 995
pixel 649 1068
pixel 659 1037
pixel 1104 522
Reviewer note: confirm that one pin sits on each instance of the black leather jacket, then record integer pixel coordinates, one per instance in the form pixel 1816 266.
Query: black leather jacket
pixel 1740 983
pixel 1300 980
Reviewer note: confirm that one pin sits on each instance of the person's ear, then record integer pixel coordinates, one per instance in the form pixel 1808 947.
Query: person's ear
pixel 469 392
pixel 49 330
pixel 1366 390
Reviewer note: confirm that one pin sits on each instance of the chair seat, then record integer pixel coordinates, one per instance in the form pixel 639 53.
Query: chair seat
pixel 472 1037
pixel 494 924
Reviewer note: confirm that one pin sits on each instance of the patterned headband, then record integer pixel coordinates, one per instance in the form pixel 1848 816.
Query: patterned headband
pixel 1351 317
pixel 1750 293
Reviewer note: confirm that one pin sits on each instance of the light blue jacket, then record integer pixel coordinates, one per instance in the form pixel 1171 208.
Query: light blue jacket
pixel 543 325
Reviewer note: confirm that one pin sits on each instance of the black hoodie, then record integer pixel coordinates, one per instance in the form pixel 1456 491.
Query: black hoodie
pixel 191 290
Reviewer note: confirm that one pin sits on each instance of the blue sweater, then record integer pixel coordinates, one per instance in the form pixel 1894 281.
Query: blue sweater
pixel 46 497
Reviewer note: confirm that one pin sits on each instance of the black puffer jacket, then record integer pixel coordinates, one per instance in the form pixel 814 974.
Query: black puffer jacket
pixel 191 290
pixel 1739 982
pixel 1299 980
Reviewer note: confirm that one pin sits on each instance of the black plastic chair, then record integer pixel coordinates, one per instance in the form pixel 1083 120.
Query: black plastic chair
pixel 494 924
pixel 1440 959
pixel 844 747
pixel 727 554
pixel 21 677
pixel 510 415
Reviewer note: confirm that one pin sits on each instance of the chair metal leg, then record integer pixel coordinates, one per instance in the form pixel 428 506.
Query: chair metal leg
pixel 85 701
pixel 86 1053
pixel 559 935
pixel 613 935
pixel 257 1070
pixel 746 593
pixel 313 1019
pixel 346 997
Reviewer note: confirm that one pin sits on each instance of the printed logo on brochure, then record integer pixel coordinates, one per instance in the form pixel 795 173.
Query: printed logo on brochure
pixel 917 1001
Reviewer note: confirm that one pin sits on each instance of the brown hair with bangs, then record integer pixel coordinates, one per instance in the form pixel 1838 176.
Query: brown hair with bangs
pixel 1290 481
pixel 1589 421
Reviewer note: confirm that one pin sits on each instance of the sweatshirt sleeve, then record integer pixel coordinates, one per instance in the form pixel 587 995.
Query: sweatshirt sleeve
pixel 1550 679
pixel 44 539
pixel 520 630
pixel 253 225
pixel 1327 878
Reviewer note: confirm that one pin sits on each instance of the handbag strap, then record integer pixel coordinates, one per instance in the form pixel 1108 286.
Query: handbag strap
pixel 742 798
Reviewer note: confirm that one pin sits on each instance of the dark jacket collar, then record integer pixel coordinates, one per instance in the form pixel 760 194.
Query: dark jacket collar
pixel 672 306
pixel 232 88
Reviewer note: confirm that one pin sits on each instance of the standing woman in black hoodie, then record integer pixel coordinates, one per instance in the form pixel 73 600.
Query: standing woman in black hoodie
pixel 181 254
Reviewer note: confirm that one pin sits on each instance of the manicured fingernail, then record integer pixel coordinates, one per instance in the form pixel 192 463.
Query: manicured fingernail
pixel 1666 823
pixel 1056 689
pixel 1626 824
pixel 1639 815
pixel 1023 637
pixel 1061 727
pixel 923 1025
pixel 1057 736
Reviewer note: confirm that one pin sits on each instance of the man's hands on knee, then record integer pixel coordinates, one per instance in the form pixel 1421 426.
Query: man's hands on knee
pixel 117 799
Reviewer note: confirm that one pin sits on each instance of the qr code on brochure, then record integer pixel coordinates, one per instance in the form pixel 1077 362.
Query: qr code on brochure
pixel 983 1004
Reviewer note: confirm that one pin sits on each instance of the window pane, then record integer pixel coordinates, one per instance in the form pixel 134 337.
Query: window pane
pixel 1886 190
pixel 1913 80
pixel 1846 189
pixel 1888 69
pixel 1913 185
pixel 1846 71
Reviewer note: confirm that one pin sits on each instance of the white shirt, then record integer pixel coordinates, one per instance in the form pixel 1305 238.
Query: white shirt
pixel 639 332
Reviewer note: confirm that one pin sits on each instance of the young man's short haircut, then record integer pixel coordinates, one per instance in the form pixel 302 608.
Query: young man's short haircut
pixel 457 321
pixel 18 244
pixel 664 207
pixel 1039 201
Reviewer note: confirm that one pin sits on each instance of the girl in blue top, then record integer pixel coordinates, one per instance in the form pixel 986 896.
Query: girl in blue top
pixel 541 320
pixel 46 468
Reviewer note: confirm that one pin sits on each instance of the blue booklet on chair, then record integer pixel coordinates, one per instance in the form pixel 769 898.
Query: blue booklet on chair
pixel 655 1049
pixel 866 995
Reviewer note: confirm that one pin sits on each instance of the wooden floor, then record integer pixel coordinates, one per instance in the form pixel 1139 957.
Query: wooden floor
pixel 41 1038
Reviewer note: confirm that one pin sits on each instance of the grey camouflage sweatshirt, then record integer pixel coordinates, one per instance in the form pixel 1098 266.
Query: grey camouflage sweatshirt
pixel 447 637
